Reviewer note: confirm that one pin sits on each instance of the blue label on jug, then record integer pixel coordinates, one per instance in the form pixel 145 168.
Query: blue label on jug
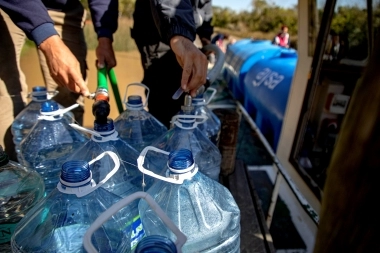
pixel 137 231
pixel 6 231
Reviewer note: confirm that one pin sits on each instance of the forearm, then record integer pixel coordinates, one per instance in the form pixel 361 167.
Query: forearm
pixel 104 14
pixel 30 16
pixel 174 17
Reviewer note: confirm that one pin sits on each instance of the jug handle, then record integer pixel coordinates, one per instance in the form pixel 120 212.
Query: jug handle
pixel 176 122
pixel 140 162
pixel 211 96
pixel 181 238
pixel 50 115
pixel 141 85
pixel 86 191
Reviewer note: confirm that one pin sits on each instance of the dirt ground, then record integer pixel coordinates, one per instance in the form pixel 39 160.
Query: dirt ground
pixel 128 70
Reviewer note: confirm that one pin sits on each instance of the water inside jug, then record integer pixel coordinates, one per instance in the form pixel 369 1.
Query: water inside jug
pixel 151 243
pixel 49 143
pixel 20 189
pixel 128 179
pixel 28 117
pixel 203 209
pixel 137 126
pixel 212 126
pixel 60 220
pixel 185 133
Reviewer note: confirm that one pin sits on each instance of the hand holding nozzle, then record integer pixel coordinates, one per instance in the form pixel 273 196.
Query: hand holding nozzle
pixel 201 90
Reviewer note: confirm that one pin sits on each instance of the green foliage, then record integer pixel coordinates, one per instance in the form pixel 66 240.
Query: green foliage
pixel 352 26
pixel 264 18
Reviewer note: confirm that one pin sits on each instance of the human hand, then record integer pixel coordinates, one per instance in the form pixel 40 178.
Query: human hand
pixel 63 66
pixel 105 53
pixel 193 62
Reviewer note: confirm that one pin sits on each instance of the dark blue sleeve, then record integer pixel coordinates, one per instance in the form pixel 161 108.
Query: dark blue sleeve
pixel 30 16
pixel 104 14
pixel 173 17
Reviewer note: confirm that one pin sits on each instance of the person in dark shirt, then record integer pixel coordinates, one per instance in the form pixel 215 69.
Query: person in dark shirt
pixel 56 27
pixel 164 32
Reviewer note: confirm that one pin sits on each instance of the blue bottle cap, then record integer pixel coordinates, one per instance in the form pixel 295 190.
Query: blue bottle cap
pixel 181 159
pixel 107 127
pixel 39 88
pixel 155 244
pixel 134 100
pixel 49 106
pixel 75 171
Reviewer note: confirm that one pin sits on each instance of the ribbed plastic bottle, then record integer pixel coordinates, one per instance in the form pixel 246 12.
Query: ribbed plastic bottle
pixel 137 126
pixel 60 220
pixel 26 119
pixel 203 209
pixel 20 189
pixel 212 126
pixel 151 243
pixel 49 143
pixel 185 133
pixel 128 178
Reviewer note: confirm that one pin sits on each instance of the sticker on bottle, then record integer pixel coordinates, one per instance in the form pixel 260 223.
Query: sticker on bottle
pixel 137 231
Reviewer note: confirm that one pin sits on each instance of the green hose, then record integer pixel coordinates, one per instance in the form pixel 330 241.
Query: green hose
pixel 115 89
pixel 102 79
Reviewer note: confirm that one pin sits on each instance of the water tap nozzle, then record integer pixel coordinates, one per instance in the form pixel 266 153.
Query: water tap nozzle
pixel 187 106
pixel 101 107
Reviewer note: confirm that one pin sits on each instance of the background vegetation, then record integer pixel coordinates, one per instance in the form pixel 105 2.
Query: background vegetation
pixel 263 22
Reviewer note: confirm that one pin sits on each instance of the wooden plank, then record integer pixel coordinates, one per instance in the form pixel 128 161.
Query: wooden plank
pixel 252 237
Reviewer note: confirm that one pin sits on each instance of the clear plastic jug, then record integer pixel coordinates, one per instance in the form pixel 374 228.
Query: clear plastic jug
pixel 26 119
pixel 153 242
pixel 212 126
pixel 128 179
pixel 203 209
pixel 20 190
pixel 135 125
pixel 60 220
pixel 104 137
pixel 49 143
pixel 186 134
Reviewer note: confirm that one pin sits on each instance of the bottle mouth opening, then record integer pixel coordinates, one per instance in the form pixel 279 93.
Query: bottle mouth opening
pixel 49 106
pixel 75 171
pixel 134 102
pixel 181 159
pixel 107 127
pixel 157 243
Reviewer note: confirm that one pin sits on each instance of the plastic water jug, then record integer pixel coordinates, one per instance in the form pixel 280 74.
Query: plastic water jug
pixel 203 209
pixel 137 126
pixel 60 220
pixel 185 133
pixel 20 189
pixel 104 137
pixel 49 143
pixel 152 243
pixel 26 119
pixel 211 127
pixel 128 178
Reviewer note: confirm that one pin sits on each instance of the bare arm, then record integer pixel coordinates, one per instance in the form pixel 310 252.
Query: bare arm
pixel 64 67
